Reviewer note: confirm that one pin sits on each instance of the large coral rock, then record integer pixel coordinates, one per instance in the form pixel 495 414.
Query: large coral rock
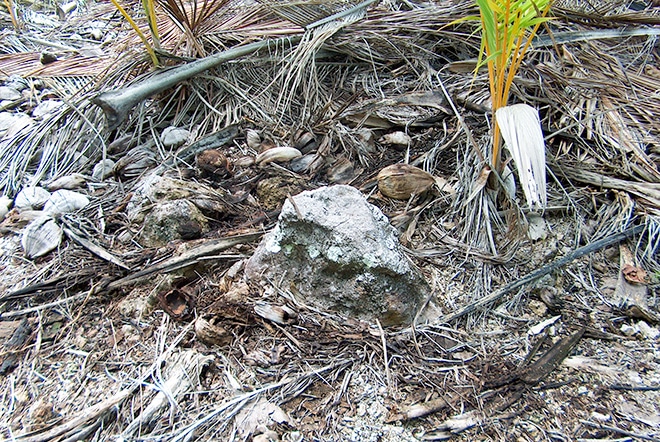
pixel 342 254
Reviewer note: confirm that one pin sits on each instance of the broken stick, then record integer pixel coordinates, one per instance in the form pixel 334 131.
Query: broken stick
pixel 189 258
pixel 539 273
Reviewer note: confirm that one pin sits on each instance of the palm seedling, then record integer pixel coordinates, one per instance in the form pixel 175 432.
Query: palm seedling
pixel 507 30
pixel 149 9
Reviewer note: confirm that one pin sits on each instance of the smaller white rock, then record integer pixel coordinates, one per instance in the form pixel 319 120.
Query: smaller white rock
pixel 96 34
pixel 628 330
pixel 65 201
pixel 31 198
pixel 396 138
pixel 601 417
pixel 174 136
pixel 46 107
pixel 648 332
pixel 17 82
pixel 103 169
pixel 9 93
pixel 22 121
pixel 41 236
pixel 7 119
pixel 5 204
pixel 537 229
pixel 73 181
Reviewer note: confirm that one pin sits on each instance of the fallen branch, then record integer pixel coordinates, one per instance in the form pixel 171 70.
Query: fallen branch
pixel 647 191
pixel 422 409
pixel 619 431
pixel 95 249
pixel 535 372
pixel 539 273
pixel 186 259
pixel 117 104
pixel 58 283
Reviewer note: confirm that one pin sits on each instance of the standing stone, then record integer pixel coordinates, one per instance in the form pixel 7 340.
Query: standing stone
pixel 342 254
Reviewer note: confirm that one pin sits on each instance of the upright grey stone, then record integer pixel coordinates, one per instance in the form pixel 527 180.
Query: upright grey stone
pixel 342 254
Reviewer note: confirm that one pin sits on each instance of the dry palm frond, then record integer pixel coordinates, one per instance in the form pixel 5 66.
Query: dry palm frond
pixel 244 22
pixel 390 36
pixel 190 15
pixel 79 66
pixel 189 18
pixel 303 13
pixel 590 35
pixel 19 63
pixel 299 72
pixel 603 13
pixel 70 151
pixel 601 101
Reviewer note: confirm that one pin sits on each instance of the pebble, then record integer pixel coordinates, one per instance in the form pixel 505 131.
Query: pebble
pixel 9 93
pixel 103 169
pixel 397 139
pixel 31 198
pixel 5 204
pixel 7 119
pixel 20 122
pixel 16 82
pixel 45 108
pixel 174 136
pixel 648 332
pixel 96 34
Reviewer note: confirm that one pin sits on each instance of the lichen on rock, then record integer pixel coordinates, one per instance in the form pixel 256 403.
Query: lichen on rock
pixel 342 254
